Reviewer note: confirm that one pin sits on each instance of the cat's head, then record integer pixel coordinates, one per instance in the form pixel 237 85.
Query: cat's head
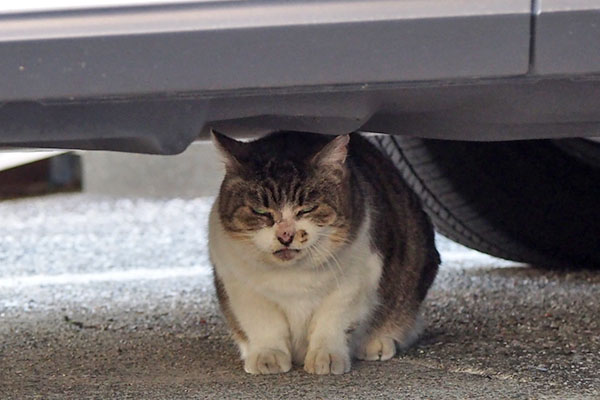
pixel 286 195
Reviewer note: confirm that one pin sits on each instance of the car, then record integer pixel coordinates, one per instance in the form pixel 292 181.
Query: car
pixel 489 108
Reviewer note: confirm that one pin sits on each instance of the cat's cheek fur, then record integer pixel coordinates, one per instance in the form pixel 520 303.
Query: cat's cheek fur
pixel 264 239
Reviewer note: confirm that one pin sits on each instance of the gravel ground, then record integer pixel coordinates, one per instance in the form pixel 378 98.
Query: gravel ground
pixel 112 298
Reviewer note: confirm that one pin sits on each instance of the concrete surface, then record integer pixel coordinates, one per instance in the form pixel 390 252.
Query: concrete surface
pixel 196 172
pixel 112 298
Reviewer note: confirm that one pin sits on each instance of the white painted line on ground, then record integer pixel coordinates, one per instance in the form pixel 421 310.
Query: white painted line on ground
pixel 140 274
pixel 450 259
pixel 468 255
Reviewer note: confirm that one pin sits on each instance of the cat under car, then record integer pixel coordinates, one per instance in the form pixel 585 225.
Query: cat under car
pixel 321 253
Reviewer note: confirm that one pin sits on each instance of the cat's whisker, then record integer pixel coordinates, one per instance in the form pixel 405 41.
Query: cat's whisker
pixel 318 257
pixel 314 262
pixel 334 237
pixel 326 261
pixel 337 265
pixel 321 260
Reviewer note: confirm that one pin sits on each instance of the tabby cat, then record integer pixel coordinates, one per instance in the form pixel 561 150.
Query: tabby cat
pixel 321 252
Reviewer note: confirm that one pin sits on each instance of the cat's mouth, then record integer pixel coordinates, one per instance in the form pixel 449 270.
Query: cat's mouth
pixel 286 254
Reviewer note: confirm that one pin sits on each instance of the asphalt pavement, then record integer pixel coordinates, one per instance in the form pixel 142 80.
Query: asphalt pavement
pixel 112 298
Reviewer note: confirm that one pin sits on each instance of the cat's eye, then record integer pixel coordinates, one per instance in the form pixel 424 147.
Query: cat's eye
pixel 306 210
pixel 260 211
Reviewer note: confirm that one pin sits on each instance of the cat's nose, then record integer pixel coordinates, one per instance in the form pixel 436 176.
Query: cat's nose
pixel 285 232
pixel 286 237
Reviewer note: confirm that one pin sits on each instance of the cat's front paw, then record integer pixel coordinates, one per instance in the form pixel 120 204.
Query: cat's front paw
pixel 378 348
pixel 323 361
pixel 267 361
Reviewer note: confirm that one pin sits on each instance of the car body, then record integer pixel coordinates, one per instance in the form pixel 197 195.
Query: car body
pixel 152 76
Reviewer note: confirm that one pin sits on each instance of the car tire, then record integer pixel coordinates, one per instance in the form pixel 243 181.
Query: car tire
pixel 526 201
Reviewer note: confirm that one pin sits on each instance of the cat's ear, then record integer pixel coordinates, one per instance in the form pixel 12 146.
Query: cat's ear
pixel 334 154
pixel 230 150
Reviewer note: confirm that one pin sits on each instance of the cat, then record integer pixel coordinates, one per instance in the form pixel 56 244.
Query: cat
pixel 320 251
